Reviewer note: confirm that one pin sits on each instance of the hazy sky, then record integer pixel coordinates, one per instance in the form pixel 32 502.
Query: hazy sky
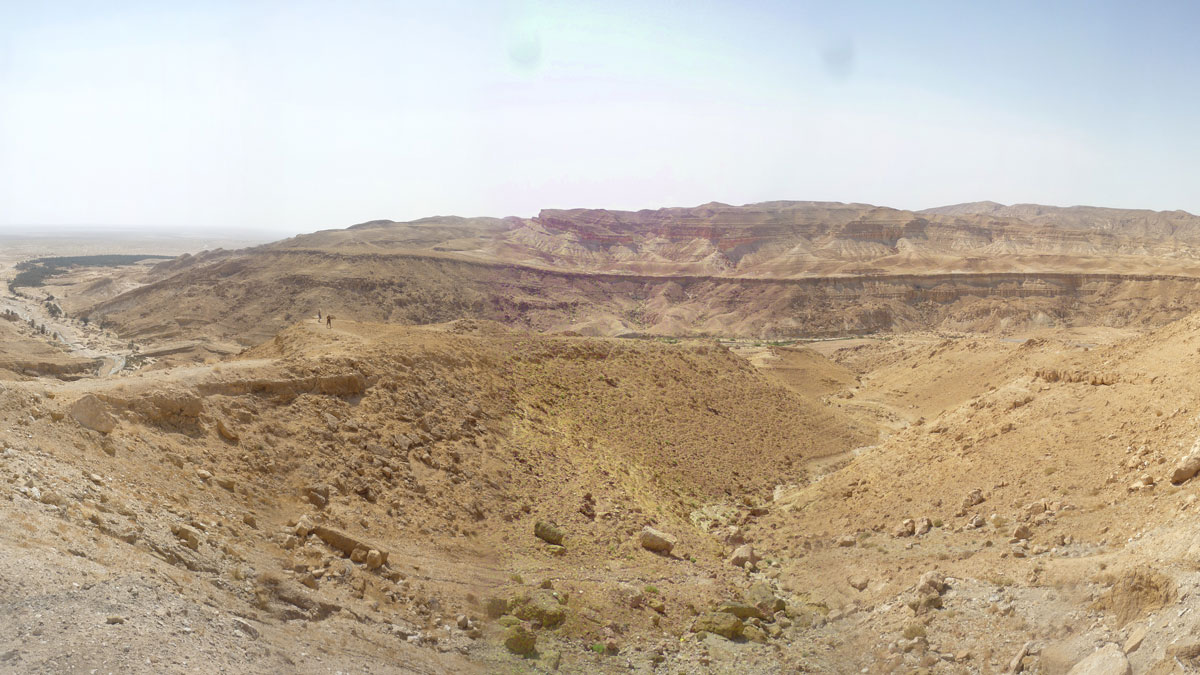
pixel 295 116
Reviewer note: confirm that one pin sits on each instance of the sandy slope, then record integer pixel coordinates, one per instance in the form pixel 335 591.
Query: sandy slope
pixel 442 447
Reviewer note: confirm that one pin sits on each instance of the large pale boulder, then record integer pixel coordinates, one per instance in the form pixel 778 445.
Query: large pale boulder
pixel 744 554
pixel 94 414
pixel 1188 466
pixel 1108 660
pixel 656 540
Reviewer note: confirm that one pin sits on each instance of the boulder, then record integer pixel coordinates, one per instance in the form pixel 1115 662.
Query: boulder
pixel 317 495
pixel 744 554
pixel 762 596
pixel 933 582
pixel 973 498
pixel 520 640
pixel 741 610
pixel 94 414
pixel 858 582
pixel 495 607
pixel 906 528
pixel 1188 466
pixel 304 527
pixel 189 536
pixel 1135 639
pixel 719 623
pixel 1108 660
pixel 924 525
pixel 656 540
pixel 754 634
pixel 542 605
pixel 347 544
pixel 1022 532
pixel 549 532
pixel 245 627
pixel 226 431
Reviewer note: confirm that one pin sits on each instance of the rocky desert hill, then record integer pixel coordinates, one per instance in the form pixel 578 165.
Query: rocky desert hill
pixel 870 454
pixel 772 270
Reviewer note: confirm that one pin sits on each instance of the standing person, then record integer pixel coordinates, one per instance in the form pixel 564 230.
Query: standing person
pixel 318 316
pixel 329 321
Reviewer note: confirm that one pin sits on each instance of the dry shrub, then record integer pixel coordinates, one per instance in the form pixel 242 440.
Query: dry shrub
pixel 1134 593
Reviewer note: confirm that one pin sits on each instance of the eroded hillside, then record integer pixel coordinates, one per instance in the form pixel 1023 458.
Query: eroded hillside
pixel 772 270
pixel 242 492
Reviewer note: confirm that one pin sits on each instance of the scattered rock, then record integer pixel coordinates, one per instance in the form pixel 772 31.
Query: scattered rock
pixel 656 540
pixel 1022 532
pixel 189 536
pixel 924 525
pixel 549 532
pixel 973 498
pixel 246 628
pixel 846 541
pixel 906 528
pixel 116 619
pixel 1018 662
pixel 858 582
pixel 374 559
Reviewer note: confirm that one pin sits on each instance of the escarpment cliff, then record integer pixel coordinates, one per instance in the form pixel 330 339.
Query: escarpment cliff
pixel 226 300
pixel 775 269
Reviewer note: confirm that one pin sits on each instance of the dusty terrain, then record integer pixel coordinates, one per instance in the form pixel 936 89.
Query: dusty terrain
pixel 823 471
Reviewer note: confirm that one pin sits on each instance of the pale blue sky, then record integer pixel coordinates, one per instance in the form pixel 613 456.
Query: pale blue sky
pixel 296 116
